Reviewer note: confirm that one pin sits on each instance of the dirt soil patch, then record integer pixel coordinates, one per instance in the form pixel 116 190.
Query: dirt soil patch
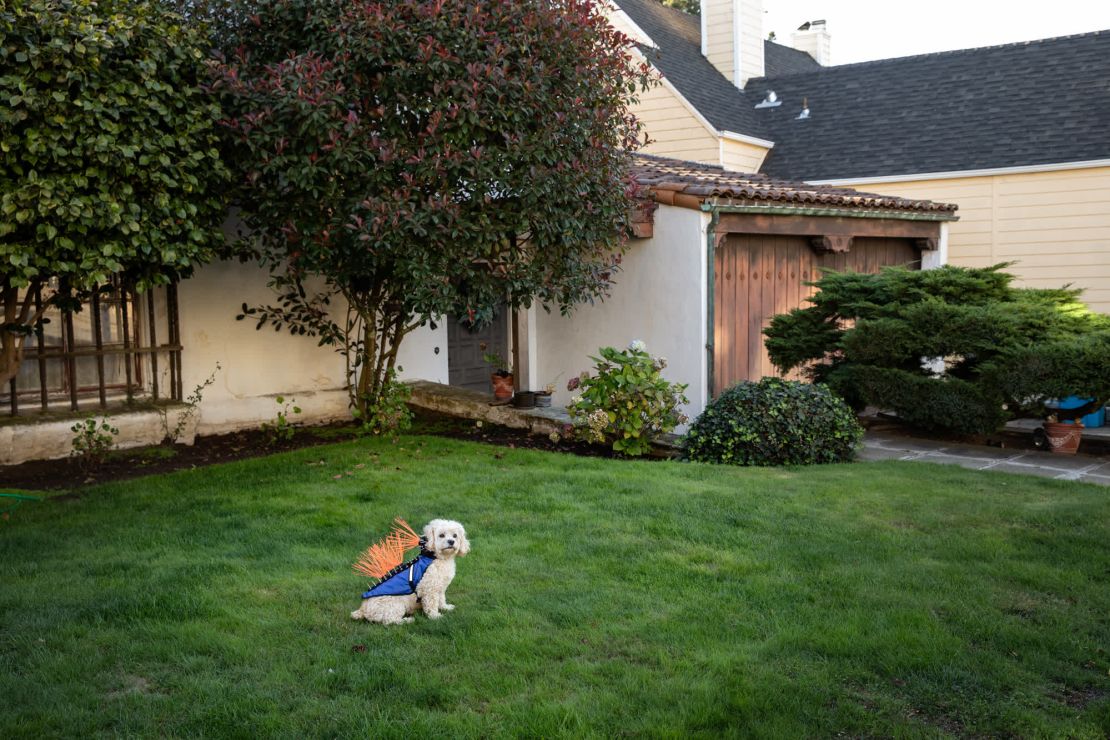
pixel 68 473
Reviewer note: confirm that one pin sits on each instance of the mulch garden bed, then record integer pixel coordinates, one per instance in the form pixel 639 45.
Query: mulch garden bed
pixel 68 473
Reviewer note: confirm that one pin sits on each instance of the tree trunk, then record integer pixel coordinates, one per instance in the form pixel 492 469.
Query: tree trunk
pixel 382 333
pixel 12 334
pixel 11 355
pixel 20 318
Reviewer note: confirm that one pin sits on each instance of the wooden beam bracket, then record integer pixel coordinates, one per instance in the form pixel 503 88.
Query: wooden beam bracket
pixel 835 243
pixel 824 226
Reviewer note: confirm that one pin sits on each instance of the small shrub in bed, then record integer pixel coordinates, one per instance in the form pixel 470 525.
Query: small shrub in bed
pixel 774 422
pixel 627 403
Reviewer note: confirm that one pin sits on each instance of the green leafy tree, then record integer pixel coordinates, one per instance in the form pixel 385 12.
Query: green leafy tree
pixel 956 349
pixel 423 158
pixel 693 7
pixel 108 158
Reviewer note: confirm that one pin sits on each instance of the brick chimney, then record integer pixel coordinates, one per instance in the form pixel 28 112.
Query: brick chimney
pixel 732 38
pixel 813 38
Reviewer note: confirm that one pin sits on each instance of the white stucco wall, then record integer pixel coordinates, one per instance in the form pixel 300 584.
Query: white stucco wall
pixel 423 353
pixel 660 298
pixel 259 365
pixel 256 367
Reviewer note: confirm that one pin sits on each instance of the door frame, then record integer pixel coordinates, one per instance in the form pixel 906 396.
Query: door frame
pixel 828 229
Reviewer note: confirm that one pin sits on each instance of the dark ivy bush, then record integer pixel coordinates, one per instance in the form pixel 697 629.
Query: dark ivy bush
pixel 774 422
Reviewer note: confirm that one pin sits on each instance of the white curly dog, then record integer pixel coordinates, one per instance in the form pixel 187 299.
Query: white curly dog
pixel 443 538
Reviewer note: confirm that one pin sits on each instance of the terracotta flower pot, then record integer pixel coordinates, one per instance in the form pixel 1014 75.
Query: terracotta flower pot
pixel 1063 439
pixel 502 386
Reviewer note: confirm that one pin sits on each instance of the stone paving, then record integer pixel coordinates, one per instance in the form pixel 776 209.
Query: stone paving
pixel 887 446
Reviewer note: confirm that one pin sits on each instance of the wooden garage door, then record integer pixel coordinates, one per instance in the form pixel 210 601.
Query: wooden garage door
pixel 756 277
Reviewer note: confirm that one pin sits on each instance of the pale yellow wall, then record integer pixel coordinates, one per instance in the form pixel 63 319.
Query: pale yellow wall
pixel 1056 225
pixel 718 35
pixel 751 40
pixel 719 16
pixel 620 21
pixel 675 131
pixel 742 157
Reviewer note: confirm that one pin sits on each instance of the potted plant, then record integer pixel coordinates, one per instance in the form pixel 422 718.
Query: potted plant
pixel 524 400
pixel 502 377
pixel 543 398
pixel 1062 437
pixel 1063 426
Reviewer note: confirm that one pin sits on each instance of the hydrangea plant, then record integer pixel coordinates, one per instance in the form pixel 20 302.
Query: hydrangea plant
pixel 626 403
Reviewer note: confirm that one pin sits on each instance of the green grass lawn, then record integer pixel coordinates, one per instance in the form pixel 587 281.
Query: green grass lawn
pixel 600 598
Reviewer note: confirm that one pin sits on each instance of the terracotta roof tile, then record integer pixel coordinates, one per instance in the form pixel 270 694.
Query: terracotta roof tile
pixel 677 182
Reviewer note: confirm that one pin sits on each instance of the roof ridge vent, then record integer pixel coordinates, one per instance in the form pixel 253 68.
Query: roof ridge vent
pixel 769 101
pixel 805 110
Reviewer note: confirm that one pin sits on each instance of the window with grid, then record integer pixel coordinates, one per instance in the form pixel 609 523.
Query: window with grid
pixel 119 346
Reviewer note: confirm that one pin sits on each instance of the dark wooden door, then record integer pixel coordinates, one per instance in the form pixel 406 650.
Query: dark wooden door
pixel 465 347
pixel 757 277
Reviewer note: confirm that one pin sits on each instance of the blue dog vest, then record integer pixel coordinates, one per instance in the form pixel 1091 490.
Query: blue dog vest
pixel 402 580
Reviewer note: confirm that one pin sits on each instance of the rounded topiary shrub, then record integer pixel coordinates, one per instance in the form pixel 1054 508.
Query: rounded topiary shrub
pixel 774 422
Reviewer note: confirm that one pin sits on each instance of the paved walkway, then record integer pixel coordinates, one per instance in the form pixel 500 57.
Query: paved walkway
pixel 878 445
pixel 887 446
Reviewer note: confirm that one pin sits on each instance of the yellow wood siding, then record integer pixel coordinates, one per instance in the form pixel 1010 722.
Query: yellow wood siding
pixel 1055 225
pixel 751 40
pixel 741 157
pixel 718 35
pixel 674 130
pixel 620 21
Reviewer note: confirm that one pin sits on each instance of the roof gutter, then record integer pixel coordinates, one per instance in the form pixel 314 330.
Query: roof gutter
pixel 957 174
pixel 716 207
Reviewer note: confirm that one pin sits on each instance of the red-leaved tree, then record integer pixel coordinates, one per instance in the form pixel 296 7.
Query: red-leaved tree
pixel 426 158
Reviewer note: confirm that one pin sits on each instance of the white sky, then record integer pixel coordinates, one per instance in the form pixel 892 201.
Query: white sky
pixel 879 29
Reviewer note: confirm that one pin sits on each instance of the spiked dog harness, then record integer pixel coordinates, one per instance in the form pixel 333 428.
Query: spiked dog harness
pixel 402 580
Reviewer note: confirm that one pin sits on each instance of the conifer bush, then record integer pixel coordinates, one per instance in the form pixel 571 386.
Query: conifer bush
pixel 774 422
pixel 955 349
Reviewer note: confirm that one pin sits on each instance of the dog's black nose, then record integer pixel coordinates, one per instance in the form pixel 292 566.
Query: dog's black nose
pixel 450 543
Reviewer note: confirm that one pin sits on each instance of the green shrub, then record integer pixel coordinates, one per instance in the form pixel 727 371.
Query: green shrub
pixel 108 160
pixel 774 422
pixel 628 403
pixel 389 413
pixel 1072 366
pixel 92 440
pixel 927 403
pixel 282 428
pixel 997 350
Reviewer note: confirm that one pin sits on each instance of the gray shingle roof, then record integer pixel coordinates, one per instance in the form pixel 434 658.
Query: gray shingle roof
pixel 679 59
pixel 781 60
pixel 1040 102
pixel 1037 102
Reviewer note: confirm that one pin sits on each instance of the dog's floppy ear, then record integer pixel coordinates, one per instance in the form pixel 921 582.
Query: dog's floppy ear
pixel 464 543
pixel 430 537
